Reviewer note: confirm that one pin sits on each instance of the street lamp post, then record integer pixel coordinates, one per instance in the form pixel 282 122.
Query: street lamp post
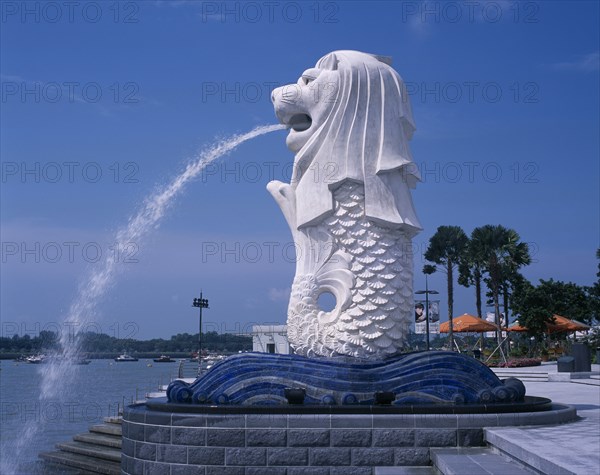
pixel 427 292
pixel 200 303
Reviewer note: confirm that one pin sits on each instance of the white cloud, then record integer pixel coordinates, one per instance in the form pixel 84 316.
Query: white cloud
pixel 583 63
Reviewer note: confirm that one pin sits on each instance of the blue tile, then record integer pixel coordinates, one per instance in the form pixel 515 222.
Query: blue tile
pixel 420 376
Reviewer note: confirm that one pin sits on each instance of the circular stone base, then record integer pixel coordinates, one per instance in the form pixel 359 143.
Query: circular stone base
pixel 158 436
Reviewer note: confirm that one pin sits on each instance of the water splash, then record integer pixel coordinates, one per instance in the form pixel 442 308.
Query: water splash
pixel 58 376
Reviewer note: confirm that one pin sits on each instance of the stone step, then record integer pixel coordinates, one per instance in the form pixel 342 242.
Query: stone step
pixel 420 470
pixel 589 382
pixel 99 439
pixel 91 450
pixel 521 374
pixel 82 462
pixel 59 469
pixel 113 420
pixel 543 377
pixel 512 372
pixel 475 461
pixel 110 429
pixel 569 449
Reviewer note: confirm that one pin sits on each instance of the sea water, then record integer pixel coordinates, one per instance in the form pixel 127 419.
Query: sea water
pixel 97 390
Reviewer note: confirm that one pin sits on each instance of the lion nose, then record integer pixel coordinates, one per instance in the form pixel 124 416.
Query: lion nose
pixel 276 92
pixel 289 94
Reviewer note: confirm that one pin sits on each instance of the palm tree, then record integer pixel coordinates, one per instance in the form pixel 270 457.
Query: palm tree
pixel 428 269
pixel 447 248
pixel 511 277
pixel 501 254
pixel 470 273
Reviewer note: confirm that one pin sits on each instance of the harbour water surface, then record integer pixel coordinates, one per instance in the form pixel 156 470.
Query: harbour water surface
pixel 101 388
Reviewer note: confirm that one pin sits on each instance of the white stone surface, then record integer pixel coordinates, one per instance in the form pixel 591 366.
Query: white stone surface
pixel 349 205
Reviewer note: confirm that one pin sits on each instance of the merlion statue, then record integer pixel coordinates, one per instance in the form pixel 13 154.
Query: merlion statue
pixel 349 206
pixel 350 210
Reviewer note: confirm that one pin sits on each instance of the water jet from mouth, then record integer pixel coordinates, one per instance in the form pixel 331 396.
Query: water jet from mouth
pixel 58 378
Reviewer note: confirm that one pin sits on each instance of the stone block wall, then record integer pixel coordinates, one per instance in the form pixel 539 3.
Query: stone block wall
pixel 173 443
pixel 289 444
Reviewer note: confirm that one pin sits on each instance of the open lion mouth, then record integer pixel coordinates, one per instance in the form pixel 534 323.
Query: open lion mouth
pixel 300 122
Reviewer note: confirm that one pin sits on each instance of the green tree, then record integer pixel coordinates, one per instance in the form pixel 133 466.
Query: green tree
pixel 470 273
pixel 446 248
pixel 530 304
pixel 500 253
pixel 48 339
pixel 429 269
pixel 511 278
pixel 561 298
pixel 594 294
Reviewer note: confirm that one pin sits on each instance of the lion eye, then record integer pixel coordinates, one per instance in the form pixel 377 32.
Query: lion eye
pixel 309 76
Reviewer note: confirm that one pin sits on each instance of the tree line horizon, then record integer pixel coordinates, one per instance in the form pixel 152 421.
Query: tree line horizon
pixel 92 342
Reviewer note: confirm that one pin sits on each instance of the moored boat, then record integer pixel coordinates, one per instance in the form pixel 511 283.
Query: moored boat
pixel 125 358
pixel 36 359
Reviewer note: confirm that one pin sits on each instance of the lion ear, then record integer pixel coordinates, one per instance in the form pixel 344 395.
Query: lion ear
pixel 329 62
pixel 384 59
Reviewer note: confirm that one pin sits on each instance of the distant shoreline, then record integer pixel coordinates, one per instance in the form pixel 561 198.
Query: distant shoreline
pixel 111 356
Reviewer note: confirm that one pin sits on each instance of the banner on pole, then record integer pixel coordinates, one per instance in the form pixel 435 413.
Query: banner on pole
pixel 420 315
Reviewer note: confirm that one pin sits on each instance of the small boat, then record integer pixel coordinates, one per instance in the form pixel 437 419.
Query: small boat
pixel 164 359
pixel 125 358
pixel 36 359
pixel 82 361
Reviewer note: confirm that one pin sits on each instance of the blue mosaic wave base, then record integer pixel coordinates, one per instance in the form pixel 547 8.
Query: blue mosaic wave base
pixel 428 377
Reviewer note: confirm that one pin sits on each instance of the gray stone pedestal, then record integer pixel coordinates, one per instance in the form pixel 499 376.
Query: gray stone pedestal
pixel 234 442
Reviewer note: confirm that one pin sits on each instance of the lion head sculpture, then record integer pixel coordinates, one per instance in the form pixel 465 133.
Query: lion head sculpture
pixel 350 119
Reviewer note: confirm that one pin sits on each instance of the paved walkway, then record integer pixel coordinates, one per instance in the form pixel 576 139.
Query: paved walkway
pixel 565 449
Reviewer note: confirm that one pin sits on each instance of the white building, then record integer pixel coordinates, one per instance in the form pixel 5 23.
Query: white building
pixel 270 339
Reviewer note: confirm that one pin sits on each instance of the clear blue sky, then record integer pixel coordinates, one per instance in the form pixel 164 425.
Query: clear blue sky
pixel 101 102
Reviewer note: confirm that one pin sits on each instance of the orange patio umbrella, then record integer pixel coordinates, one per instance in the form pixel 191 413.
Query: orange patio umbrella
pixel 468 323
pixel 561 324
pixel 516 328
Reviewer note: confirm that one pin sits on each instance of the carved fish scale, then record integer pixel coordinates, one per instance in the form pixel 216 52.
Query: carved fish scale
pixel 376 318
